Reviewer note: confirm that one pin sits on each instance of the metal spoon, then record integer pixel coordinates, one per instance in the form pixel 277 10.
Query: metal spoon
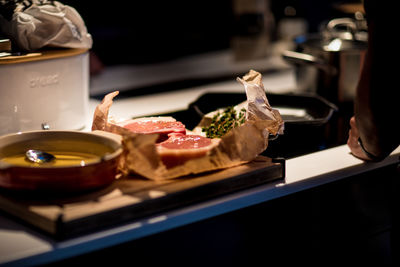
pixel 39 156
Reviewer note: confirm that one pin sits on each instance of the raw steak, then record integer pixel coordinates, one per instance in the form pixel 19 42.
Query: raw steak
pixel 152 125
pixel 179 148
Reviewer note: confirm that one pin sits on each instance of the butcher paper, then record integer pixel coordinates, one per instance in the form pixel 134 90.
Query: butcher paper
pixel 240 145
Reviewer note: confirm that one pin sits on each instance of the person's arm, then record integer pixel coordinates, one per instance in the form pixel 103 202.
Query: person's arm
pixel 377 102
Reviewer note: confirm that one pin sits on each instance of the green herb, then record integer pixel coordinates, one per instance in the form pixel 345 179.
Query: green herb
pixel 223 122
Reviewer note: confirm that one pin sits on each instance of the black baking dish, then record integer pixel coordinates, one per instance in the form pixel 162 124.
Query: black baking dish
pixel 306 120
pixel 295 109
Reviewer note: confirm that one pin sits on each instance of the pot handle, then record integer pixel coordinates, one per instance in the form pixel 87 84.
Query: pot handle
pixel 302 58
pixel 334 24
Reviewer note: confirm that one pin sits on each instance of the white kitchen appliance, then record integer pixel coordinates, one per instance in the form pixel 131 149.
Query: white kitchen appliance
pixel 46 90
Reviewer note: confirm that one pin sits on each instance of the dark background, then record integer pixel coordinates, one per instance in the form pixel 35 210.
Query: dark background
pixel 140 32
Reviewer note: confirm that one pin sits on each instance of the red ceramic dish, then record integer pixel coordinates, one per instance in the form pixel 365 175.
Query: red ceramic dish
pixel 106 149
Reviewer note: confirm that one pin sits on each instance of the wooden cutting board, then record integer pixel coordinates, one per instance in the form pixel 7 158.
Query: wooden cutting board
pixel 132 198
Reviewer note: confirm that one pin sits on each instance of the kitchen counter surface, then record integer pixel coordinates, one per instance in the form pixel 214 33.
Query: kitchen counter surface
pixel 22 245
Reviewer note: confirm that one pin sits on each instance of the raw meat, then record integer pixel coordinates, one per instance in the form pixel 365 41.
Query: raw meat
pixel 179 148
pixel 152 125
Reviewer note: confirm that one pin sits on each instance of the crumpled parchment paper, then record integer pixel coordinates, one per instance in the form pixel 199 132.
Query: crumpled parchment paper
pixel 240 145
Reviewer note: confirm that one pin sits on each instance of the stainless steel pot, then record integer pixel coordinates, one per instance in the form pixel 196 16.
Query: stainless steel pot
pixel 329 62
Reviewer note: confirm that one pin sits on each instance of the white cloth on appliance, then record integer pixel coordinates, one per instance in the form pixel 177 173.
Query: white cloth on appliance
pixel 38 23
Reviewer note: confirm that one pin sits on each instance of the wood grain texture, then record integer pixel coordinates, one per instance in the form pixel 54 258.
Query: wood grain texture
pixel 132 197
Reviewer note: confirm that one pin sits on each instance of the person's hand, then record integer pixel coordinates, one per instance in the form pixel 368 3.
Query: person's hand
pixel 352 141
